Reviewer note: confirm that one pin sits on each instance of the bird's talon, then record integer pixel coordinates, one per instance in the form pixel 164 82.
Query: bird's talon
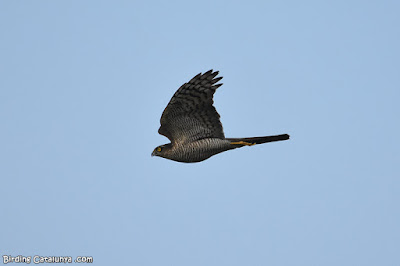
pixel 243 143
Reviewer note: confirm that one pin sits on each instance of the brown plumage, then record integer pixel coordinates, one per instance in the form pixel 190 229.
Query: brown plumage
pixel 191 123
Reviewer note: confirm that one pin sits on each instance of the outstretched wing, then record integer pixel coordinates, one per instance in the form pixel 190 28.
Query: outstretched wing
pixel 190 114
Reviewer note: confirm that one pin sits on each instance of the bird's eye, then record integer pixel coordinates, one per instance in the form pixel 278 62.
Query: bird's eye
pixel 158 149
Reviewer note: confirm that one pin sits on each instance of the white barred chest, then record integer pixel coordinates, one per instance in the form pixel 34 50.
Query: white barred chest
pixel 199 150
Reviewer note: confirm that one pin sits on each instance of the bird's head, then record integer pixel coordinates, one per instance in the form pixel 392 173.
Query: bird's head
pixel 160 150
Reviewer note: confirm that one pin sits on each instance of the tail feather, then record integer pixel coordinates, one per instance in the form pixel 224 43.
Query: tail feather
pixel 260 140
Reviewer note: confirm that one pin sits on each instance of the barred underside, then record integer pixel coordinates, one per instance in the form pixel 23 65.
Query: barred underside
pixel 198 150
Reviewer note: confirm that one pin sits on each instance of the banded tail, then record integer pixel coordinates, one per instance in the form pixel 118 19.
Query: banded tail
pixel 257 140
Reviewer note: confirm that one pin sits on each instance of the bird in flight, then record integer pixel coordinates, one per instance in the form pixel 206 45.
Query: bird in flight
pixel 191 123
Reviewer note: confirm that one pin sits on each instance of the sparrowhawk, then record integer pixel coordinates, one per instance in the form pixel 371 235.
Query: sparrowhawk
pixel 191 123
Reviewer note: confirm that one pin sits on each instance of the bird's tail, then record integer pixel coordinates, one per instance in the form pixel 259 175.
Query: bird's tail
pixel 257 140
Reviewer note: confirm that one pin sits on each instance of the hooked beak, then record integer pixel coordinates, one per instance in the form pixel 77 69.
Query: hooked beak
pixel 152 154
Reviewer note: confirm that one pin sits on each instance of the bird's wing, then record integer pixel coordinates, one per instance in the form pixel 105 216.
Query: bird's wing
pixel 190 114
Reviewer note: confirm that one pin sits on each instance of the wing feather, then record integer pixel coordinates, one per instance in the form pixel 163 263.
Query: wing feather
pixel 190 114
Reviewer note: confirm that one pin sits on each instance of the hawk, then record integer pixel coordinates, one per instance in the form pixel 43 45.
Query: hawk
pixel 191 123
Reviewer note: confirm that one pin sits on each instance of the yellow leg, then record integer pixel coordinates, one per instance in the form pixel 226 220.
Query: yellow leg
pixel 243 143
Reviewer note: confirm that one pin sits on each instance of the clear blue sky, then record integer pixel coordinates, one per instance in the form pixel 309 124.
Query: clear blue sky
pixel 82 88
